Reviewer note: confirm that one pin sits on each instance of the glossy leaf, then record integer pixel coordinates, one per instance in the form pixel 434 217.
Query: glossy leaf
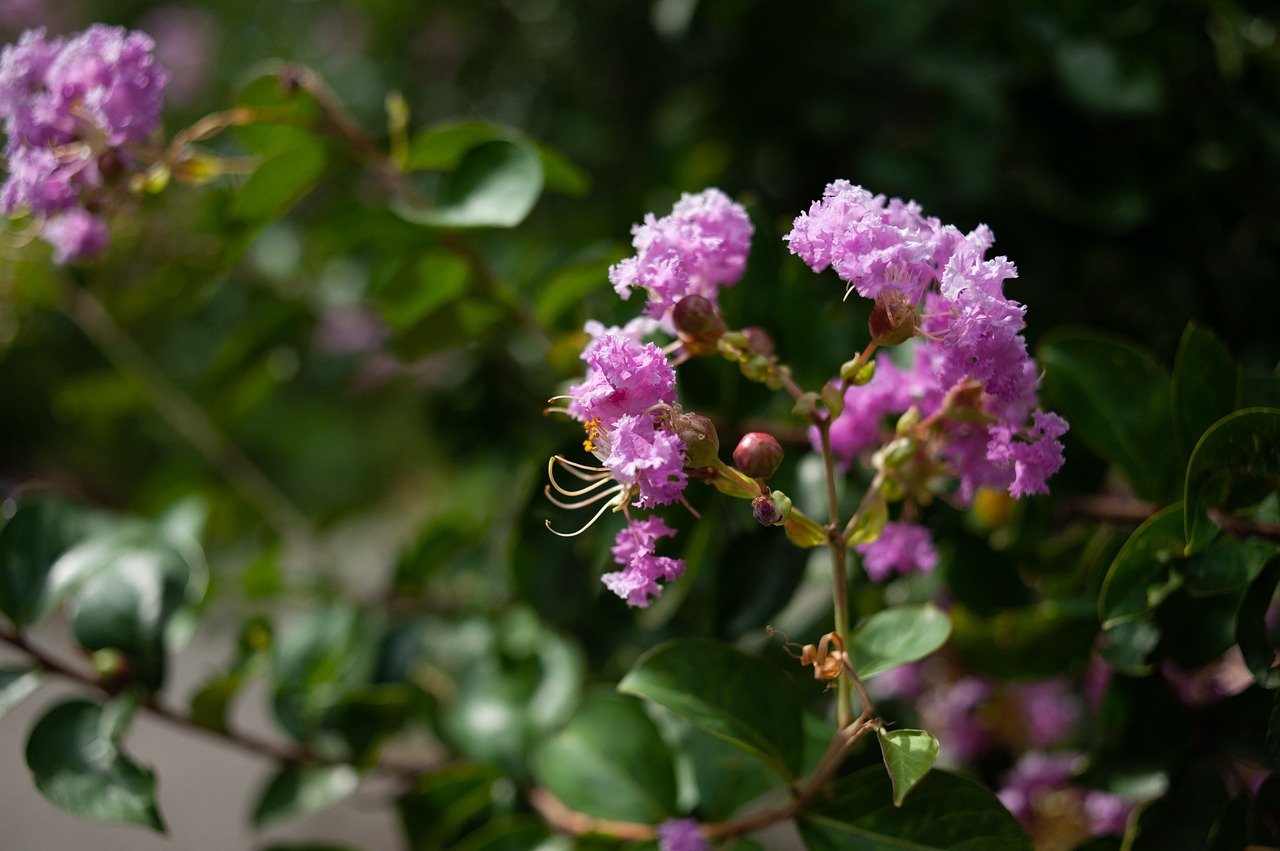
pixel 1206 384
pixel 908 755
pixel 75 758
pixel 442 148
pixel 495 185
pixel 127 601
pixel 896 636
pixel 16 685
pixel 1140 576
pixel 1117 398
pixel 1235 464
pixel 610 762
pixel 39 533
pixel 296 790
pixel 727 778
pixel 728 694
pixel 1256 646
pixel 943 812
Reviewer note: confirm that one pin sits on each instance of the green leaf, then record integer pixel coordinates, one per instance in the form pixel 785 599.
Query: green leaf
pixel 295 790
pixel 16 685
pixel 908 754
pixel 1127 646
pixel 279 182
pixel 610 762
pixel 1117 398
pixel 1026 642
pixel 495 185
pixel 1273 727
pixel 127 601
pixel 727 778
pixel 446 805
pixel 431 281
pixel 75 758
pixel 944 811
pixel 896 636
pixel 730 695
pixel 1141 576
pixel 1251 628
pixel 1206 384
pixel 442 148
pixel 1235 464
pixel 40 532
pixel 506 833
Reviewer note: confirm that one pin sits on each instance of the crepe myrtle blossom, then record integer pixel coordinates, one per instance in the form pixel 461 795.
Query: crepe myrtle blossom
pixel 902 547
pixel 627 405
pixel 71 109
pixel 1042 781
pixel 697 249
pixel 970 377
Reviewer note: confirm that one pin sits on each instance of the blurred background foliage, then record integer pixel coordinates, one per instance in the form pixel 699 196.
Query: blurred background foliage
pixel 391 385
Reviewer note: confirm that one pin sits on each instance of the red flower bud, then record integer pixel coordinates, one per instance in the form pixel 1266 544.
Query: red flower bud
pixel 758 455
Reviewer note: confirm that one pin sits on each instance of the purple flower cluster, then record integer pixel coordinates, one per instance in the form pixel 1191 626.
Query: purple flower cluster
pixel 697 249
pixel 1038 775
pixel 637 582
pixel 901 548
pixel 970 369
pixel 70 106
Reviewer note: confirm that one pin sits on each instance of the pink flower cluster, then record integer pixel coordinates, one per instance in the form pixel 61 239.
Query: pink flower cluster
pixel 968 366
pixel 69 107
pixel 700 247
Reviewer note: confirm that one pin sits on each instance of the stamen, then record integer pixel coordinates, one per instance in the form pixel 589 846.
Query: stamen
pixel 583 502
pixel 588 525
pixel 600 481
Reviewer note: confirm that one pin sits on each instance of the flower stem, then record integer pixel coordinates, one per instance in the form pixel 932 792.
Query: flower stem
pixel 839 575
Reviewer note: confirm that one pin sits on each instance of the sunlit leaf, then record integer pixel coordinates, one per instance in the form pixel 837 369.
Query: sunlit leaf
pixel 610 762
pixel 75 758
pixel 278 182
pixel 908 755
pixel 896 636
pixel 296 790
pixel 495 185
pixel 16 685
pixel 728 694
pixel 39 533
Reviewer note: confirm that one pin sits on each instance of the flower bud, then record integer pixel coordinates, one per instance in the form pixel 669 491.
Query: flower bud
pixel 758 341
pixel 697 317
pixel 701 442
pixel 893 319
pixel 765 511
pixel 758 455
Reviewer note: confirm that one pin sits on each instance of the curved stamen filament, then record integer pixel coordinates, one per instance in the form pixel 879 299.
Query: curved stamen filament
pixel 600 481
pixel 586 526
pixel 582 502
pixel 573 467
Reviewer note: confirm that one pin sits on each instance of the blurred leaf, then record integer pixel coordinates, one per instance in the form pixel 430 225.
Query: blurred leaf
pixel 445 805
pixel 506 833
pixel 135 585
pixel 610 762
pixel 1183 819
pixel 278 182
pixel 896 636
pixel 285 119
pixel 1027 642
pixel 434 279
pixel 39 533
pixel 209 705
pixel 944 811
pixel 908 755
pixel 727 778
pixel 316 660
pixel 1141 575
pixel 568 287
pixel 1127 645
pixel 16 685
pixel 368 717
pixel 1273 727
pixel 1206 384
pixel 1251 633
pixel 730 695
pixel 496 185
pixel 1117 399
pixel 75 758
pixel 443 147
pixel 310 846
pixel 1235 464
pixel 296 790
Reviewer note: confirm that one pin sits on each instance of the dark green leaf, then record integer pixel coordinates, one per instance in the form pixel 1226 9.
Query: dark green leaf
pixel 1226 568
pixel 1117 399
pixel 496 185
pixel 897 636
pixel 727 693
pixel 295 790
pixel 908 755
pixel 1256 646
pixel 310 846
pixel 1273 727
pixel 1140 577
pixel 727 778
pixel 431 281
pixel 443 146
pixel 446 805
pixel 1127 645
pixel 610 762
pixel 1206 384
pixel 209 705
pixel 16 685
pixel 279 182
pixel 944 811
pixel 507 833
pixel 1183 819
pixel 75 757
pixel 126 603
pixel 31 543
pixel 284 119
pixel 1235 464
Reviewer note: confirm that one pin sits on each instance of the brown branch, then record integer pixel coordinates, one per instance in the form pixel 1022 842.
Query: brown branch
pixel 264 747
pixel 1132 511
